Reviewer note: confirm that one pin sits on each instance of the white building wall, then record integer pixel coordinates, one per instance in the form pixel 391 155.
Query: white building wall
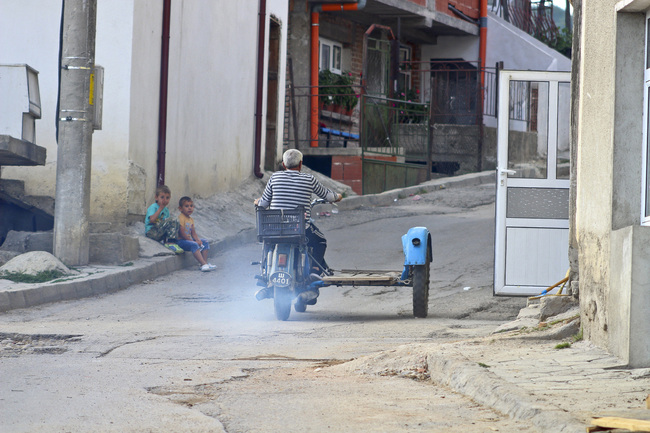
pixel 211 96
pixel 141 104
pixel 518 50
pixel 44 18
pixel 212 71
pixel 33 26
pixel 212 93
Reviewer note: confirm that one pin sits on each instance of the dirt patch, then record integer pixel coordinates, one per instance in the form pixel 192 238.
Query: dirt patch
pixel 14 345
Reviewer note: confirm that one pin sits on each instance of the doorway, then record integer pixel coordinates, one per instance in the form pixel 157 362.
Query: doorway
pixel 271 154
pixel 532 203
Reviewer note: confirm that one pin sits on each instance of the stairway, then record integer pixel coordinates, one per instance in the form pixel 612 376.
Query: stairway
pixel 22 212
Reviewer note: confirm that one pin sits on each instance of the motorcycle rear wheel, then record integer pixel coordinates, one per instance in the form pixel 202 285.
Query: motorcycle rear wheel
pixel 282 302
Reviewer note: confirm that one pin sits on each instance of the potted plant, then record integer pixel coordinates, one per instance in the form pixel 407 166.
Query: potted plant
pixel 347 97
pixel 326 79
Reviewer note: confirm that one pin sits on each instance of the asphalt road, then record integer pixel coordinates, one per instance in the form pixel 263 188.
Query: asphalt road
pixel 195 352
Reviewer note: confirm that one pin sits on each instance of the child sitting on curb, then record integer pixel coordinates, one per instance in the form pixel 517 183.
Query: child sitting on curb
pixel 157 223
pixel 187 237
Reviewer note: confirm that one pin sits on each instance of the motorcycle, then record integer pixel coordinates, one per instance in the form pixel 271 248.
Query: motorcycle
pixel 289 271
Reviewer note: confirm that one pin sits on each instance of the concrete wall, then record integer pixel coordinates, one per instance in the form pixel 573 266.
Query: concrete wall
pixel 518 50
pixel 211 105
pixel 33 27
pixel 614 256
pixel 44 18
pixel 595 171
pixel 506 43
pixel 142 100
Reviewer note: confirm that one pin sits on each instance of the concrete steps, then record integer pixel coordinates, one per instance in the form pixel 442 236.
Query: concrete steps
pixel 13 191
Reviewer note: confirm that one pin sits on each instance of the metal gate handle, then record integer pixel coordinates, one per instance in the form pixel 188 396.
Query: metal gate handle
pixel 503 172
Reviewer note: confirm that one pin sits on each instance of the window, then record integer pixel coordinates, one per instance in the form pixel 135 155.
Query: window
pixel 330 55
pixel 405 68
pixel 645 217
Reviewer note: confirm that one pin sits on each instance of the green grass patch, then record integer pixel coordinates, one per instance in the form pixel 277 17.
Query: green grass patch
pixel 480 364
pixel 41 277
pixel 564 345
pixel 578 336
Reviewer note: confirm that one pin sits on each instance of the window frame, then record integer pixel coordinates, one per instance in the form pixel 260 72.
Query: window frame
pixel 332 60
pixel 408 78
pixel 645 192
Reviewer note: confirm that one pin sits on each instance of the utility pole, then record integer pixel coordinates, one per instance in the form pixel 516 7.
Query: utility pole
pixel 75 128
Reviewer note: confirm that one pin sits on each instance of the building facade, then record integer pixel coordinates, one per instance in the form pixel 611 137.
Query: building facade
pixel 213 100
pixel 611 236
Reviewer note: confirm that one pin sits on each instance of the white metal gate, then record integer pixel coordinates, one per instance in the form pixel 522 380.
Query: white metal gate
pixel 532 204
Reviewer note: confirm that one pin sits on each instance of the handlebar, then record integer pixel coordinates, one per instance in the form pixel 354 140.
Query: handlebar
pixel 314 202
pixel 318 201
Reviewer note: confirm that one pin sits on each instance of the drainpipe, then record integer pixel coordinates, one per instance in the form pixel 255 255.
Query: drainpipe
pixel 482 50
pixel 315 22
pixel 482 24
pixel 259 97
pixel 313 89
pixel 162 107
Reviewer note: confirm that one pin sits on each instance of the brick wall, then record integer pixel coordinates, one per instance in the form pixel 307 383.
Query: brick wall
pixel 349 170
pixel 353 41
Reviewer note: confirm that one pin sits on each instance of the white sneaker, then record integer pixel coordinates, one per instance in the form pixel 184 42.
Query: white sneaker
pixel 212 267
pixel 205 268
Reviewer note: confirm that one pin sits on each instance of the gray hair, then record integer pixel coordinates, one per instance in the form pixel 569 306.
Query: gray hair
pixel 292 158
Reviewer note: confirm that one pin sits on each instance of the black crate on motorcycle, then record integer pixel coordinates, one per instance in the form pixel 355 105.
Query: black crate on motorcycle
pixel 281 224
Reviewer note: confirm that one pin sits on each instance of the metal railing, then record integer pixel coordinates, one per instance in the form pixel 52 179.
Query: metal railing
pixel 451 90
pixel 338 117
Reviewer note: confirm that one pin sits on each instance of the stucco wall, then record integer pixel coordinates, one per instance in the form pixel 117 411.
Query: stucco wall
pixel 143 82
pixel 113 51
pixel 506 43
pixel 14 15
pixel 211 105
pixel 595 170
pixel 33 27
pixel 519 50
pixel 211 94
pixel 210 118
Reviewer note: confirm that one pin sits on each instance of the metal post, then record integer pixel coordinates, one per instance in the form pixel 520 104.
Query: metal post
pixel 72 202
pixel 430 128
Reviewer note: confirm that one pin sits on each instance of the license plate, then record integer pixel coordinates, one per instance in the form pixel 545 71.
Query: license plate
pixel 281 279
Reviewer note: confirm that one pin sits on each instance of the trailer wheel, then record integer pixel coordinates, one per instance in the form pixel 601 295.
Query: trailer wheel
pixel 421 289
pixel 282 302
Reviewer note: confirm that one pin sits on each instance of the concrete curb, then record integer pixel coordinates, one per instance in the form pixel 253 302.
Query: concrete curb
pixel 106 279
pixel 387 197
pixel 486 388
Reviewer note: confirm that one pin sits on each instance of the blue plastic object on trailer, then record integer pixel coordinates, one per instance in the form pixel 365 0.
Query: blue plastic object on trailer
pixel 416 243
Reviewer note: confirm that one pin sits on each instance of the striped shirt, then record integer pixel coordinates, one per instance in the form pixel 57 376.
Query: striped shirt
pixel 291 188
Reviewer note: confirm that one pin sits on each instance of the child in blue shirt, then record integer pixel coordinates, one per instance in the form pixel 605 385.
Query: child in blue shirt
pixel 157 223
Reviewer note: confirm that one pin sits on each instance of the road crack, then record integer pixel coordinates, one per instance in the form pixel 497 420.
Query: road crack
pixel 103 354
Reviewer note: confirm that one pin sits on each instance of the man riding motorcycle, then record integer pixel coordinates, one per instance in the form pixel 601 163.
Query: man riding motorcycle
pixel 289 189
